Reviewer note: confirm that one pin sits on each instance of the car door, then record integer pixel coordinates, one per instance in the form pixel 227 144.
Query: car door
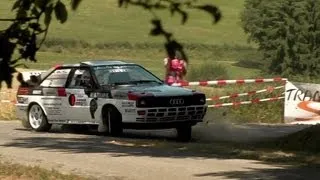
pixel 53 95
pixel 78 91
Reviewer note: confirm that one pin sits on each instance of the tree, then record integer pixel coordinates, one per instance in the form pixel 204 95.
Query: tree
pixel 287 33
pixel 33 18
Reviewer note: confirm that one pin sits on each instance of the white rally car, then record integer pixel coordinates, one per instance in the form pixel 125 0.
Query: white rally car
pixel 110 95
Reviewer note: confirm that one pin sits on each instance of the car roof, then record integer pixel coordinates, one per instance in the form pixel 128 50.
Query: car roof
pixel 104 62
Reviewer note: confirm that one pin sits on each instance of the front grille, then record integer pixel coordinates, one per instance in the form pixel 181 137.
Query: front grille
pixel 173 114
pixel 164 101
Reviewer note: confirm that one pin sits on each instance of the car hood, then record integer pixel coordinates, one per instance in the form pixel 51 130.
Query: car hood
pixel 156 90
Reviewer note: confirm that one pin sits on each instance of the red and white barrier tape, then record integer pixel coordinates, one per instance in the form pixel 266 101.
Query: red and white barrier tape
pixel 269 89
pixel 224 82
pixel 245 102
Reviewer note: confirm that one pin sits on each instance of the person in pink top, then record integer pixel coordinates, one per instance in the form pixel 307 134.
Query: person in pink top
pixel 176 69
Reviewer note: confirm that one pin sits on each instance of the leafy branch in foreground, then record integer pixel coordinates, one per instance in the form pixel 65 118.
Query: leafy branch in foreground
pixel 29 28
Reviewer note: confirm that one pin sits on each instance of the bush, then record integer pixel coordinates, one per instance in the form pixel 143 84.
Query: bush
pixel 287 32
pixel 207 71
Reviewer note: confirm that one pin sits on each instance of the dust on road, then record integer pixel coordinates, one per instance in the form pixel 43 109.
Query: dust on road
pixel 120 158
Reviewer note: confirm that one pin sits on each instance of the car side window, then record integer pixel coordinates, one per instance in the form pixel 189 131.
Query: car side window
pixel 81 78
pixel 57 78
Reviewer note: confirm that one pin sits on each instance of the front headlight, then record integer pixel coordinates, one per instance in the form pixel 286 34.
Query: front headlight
pixel 142 102
pixel 202 100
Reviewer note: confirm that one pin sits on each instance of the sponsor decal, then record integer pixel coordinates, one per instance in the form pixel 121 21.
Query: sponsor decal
pixel 51 98
pixel 93 107
pixel 130 110
pixel 50 92
pixel 119 95
pixel 302 103
pixel 72 100
pixel 118 70
pixel 127 104
pixel 52 104
pixel 100 95
pixel 54 111
pixel 46 101
pixel 37 92
pixel 81 102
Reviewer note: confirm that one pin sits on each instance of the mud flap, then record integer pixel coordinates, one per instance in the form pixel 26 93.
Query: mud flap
pixel 102 128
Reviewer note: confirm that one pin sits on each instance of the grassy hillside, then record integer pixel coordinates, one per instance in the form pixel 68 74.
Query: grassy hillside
pixel 106 31
pixel 102 21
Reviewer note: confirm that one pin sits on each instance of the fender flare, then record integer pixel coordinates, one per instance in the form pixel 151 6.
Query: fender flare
pixel 34 102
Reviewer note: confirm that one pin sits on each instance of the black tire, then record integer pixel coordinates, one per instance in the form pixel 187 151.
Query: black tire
pixel 113 120
pixel 37 119
pixel 184 133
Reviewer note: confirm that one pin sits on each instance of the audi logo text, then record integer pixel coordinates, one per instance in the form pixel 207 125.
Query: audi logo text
pixel 176 101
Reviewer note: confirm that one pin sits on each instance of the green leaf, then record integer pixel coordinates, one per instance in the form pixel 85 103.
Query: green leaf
pixel 48 15
pixel 21 14
pixel 40 3
pixel 35 12
pixel 35 26
pixel 61 12
pixel 213 10
pixel 75 4
pixel 16 5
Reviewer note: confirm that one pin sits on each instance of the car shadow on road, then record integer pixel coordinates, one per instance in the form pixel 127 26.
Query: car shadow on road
pixel 163 144
pixel 276 173
pixel 153 145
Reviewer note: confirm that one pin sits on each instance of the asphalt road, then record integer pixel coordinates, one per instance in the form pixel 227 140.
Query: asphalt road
pixel 115 158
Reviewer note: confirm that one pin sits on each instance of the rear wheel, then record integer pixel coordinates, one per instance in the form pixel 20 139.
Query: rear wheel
pixel 113 120
pixel 37 119
pixel 184 133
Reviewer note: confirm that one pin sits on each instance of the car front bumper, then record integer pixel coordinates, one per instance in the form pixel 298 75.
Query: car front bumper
pixel 165 117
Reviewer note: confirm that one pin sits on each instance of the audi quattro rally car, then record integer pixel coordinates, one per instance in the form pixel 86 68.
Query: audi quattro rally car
pixel 111 95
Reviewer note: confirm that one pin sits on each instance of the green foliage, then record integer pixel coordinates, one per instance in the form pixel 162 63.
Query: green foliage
pixel 207 71
pixel 287 32
pixel 23 32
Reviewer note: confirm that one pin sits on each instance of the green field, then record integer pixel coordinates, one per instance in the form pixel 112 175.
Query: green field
pixel 101 30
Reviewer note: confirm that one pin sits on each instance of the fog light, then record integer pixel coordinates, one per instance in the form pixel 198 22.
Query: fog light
pixel 141 113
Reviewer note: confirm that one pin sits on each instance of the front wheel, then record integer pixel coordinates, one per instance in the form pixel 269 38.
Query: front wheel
pixel 184 133
pixel 113 120
pixel 37 119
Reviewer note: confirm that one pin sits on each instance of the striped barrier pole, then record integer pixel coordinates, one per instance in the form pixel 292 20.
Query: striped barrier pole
pixel 269 89
pixel 224 82
pixel 244 102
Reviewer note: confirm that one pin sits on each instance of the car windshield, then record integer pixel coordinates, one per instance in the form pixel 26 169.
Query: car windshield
pixel 124 74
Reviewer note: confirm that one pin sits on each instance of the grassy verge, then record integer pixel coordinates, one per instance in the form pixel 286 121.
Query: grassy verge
pixel 14 171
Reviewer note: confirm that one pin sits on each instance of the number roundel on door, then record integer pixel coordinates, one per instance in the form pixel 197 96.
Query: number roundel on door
pixel 72 99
